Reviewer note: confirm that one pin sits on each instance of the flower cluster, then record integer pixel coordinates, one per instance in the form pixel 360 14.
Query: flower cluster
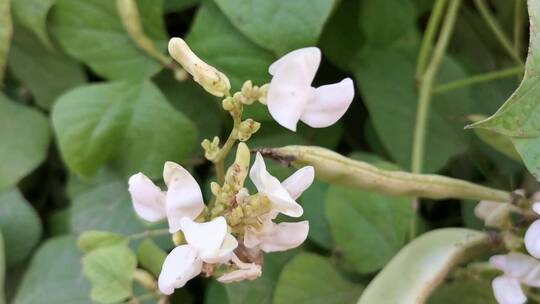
pixel 518 269
pixel 227 237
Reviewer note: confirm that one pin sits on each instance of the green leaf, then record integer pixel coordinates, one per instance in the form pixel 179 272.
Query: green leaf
pixel 6 30
pixel 178 5
pixel 110 270
pixel 94 239
pixel 151 256
pixel 313 201
pixel 25 141
pixel 32 14
pixel 278 25
pixel 499 142
pixel 128 122
pixel 98 38
pixel 368 228
pixel 261 290
pixel 105 207
pixel 18 221
pixel 464 291
pixel 213 38
pixel 419 268
pixel 55 275
pixel 375 16
pixel 47 73
pixel 310 278
pixel 2 269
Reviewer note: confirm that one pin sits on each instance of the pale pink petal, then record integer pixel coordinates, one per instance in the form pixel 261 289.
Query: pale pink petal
pixel 285 236
pixel 270 186
pixel 532 239
pixel 184 196
pixel 507 290
pixel 148 200
pixel 328 104
pixel 299 181
pixel 180 266
pixel 519 266
pixel 309 58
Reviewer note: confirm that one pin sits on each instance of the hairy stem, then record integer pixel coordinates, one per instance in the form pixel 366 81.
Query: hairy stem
pixel 477 79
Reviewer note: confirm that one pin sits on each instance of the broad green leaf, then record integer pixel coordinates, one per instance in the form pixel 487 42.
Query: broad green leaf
pixel 55 275
pixel 309 278
pixel 18 221
pixel 385 22
pixel 98 38
pixel 25 141
pixel 216 294
pixel 130 123
pixel 178 5
pixel 189 98
pixel 32 14
pixel 413 274
pixel 314 203
pixel 261 290
pixel 94 239
pixel 499 142
pixel 151 256
pixel 214 39
pixel 278 25
pixel 388 86
pixel 110 271
pixel 367 228
pixel 47 73
pixel 463 291
pixel 105 207
pixel 2 269
pixel 6 30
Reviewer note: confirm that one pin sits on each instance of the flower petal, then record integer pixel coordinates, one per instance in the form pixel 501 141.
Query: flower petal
pixel 299 181
pixel 288 94
pixel 270 186
pixel 184 196
pixel 180 266
pixel 536 207
pixel 532 239
pixel 250 273
pixel 285 236
pixel 309 57
pixel 148 199
pixel 328 104
pixel 224 253
pixel 484 208
pixel 508 290
pixel 519 266
pixel 207 237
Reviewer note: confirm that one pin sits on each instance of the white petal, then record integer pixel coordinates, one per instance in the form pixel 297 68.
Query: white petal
pixel 148 199
pixel 532 239
pixel 288 94
pixel 285 236
pixel 207 237
pixel 328 104
pixel 508 291
pixel 270 186
pixel 241 196
pixel 249 273
pixel 484 208
pixel 299 181
pixel 180 266
pixel 309 57
pixel 224 253
pixel 184 197
pixel 519 266
pixel 536 207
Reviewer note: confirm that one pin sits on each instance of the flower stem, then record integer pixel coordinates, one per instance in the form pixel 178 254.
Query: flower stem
pixel 429 36
pixel 148 233
pixel 477 79
pixel 497 31
pixel 426 84
pixel 224 151
pixel 518 25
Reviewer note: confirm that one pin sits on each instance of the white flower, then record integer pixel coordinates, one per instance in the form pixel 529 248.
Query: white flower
pixel 494 214
pixel 292 98
pixel 273 237
pixel 532 236
pixel 246 271
pixel 281 195
pixel 206 242
pixel 182 199
pixel 518 269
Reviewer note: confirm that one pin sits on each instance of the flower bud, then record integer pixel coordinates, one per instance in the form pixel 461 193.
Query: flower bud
pixel 212 80
pixel 247 128
pixel 238 171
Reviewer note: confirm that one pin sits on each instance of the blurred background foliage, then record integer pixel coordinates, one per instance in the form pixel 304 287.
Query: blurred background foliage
pixel 82 108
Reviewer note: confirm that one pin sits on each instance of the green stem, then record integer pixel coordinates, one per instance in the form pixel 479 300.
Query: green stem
pixel 496 29
pixel 429 36
pixel 224 151
pixel 518 23
pixel 426 85
pixel 449 86
pixel 148 233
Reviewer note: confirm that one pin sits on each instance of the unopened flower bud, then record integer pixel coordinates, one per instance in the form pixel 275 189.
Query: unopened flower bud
pixel 212 80
pixel 237 172
pixel 247 128
pixel 215 188
pixel 228 104
pixel 211 149
pixel 263 93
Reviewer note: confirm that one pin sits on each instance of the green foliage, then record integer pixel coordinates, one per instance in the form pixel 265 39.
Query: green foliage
pixel 2 268
pixel 110 270
pixel 478 291
pixel 150 256
pixel 93 239
pixel 318 280
pixel 32 14
pixel 6 30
